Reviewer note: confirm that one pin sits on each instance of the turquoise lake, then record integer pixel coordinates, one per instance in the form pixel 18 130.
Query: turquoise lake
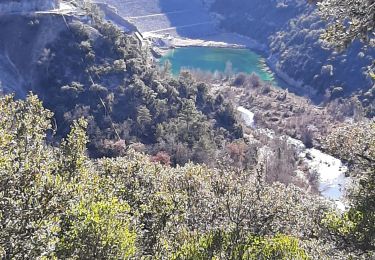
pixel 216 59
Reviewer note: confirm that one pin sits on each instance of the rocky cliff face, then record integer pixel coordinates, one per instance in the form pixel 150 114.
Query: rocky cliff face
pixel 11 6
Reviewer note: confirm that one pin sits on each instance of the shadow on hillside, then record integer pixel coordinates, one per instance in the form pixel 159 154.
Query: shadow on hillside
pixel 187 18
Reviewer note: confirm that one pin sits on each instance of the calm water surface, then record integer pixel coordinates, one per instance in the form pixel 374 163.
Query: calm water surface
pixel 216 59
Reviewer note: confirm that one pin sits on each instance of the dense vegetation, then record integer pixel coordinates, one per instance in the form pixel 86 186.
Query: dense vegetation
pixel 357 225
pixel 100 73
pixel 291 31
pixel 57 203
pixel 62 199
pixel 346 25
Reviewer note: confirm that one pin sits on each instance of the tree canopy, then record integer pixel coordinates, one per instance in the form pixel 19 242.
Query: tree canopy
pixel 56 203
pixel 349 20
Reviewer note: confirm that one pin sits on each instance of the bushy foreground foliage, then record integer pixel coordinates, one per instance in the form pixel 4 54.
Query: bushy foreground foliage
pixel 51 204
pixel 218 246
pixel 356 145
pixel 57 203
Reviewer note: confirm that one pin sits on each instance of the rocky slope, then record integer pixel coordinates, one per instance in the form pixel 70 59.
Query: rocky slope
pixel 23 41
pixel 176 18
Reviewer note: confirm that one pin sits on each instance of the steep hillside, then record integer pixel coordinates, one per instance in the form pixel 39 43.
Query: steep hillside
pixel 87 67
pixel 291 29
pixel 23 40
pixel 177 18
